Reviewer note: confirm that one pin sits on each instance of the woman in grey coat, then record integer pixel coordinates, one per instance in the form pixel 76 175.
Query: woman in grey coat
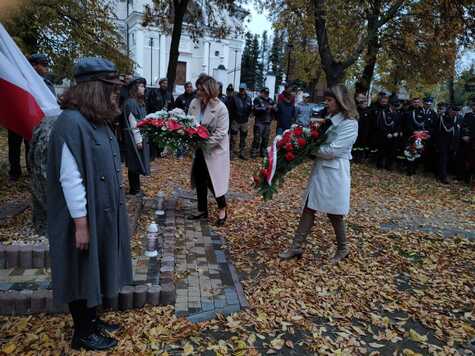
pixel 88 227
pixel 329 185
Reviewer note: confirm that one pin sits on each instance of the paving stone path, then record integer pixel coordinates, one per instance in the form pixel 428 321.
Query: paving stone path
pixel 192 271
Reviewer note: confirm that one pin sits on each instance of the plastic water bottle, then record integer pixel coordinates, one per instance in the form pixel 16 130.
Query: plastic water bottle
pixel 152 237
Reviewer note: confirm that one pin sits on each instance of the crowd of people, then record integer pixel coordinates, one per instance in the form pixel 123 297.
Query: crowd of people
pixel 386 127
pixel 97 130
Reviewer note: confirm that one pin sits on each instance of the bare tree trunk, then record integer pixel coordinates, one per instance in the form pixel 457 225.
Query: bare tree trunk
pixel 334 70
pixel 180 7
pixel 362 86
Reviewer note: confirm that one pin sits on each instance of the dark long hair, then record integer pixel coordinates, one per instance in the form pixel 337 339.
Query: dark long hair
pixel 134 93
pixel 94 100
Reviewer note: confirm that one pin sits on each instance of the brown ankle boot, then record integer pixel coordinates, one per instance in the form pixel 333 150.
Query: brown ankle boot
pixel 342 247
pixel 305 225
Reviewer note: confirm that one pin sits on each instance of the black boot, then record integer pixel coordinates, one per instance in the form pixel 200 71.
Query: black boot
pixel 94 342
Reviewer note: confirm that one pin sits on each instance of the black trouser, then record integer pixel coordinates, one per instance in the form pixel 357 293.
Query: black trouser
pixel 134 182
pixel 261 138
pixel 442 162
pixel 203 183
pixel 14 153
pixel 462 161
pixel 83 317
pixel 386 154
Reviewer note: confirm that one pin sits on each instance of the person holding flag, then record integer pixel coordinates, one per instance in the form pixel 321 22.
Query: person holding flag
pixel 25 98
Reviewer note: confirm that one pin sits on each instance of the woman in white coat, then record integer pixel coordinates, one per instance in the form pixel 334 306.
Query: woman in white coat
pixel 211 165
pixel 329 185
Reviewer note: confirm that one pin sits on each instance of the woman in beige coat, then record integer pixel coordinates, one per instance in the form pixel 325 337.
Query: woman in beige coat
pixel 211 165
pixel 329 185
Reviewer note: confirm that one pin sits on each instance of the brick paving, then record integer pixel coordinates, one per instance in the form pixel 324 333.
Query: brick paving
pixel 192 271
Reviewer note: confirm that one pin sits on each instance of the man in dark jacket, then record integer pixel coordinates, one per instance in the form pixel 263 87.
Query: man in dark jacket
pixel 184 100
pixel 240 107
pixel 263 114
pixel 159 98
pixel 285 112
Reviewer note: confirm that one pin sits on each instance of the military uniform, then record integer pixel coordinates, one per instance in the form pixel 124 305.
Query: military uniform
pixel 414 121
pixel 387 132
pixel 361 147
pixel 430 121
pixel 466 151
pixel 445 135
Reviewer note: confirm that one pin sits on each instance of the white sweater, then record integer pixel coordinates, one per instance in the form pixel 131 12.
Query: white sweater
pixel 72 183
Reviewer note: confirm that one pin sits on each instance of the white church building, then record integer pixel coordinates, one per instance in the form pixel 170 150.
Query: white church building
pixel 149 48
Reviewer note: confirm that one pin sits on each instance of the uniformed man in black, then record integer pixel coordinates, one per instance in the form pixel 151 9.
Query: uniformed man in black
pixel 376 110
pixel 41 64
pixel 430 120
pixel 361 147
pixel 387 132
pixel 466 152
pixel 445 136
pixel 414 121
pixel 159 98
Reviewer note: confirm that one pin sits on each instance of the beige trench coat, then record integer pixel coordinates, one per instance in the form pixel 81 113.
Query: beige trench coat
pixel 329 186
pixel 216 150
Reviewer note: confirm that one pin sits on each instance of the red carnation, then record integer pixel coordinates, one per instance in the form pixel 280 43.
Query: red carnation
pixel 301 142
pixel 289 156
pixel 298 131
pixel 257 181
pixel 289 147
pixel 280 144
pixel 202 132
pixel 190 131
pixel 173 125
pixel 264 172
pixel 158 123
pixel 315 134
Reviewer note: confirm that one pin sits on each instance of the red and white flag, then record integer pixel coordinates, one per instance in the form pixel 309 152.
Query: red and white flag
pixel 24 97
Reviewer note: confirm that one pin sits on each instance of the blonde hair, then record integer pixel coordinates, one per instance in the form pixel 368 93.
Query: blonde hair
pixel 345 101
pixel 209 85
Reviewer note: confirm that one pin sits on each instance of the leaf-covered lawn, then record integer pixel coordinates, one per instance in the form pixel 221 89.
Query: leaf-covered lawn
pixel 402 290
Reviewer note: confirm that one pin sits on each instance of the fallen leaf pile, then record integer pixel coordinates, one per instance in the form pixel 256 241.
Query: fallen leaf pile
pixel 405 288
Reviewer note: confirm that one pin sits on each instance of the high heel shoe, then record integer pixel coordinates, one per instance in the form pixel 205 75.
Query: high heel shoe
pixel 202 215
pixel 220 221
